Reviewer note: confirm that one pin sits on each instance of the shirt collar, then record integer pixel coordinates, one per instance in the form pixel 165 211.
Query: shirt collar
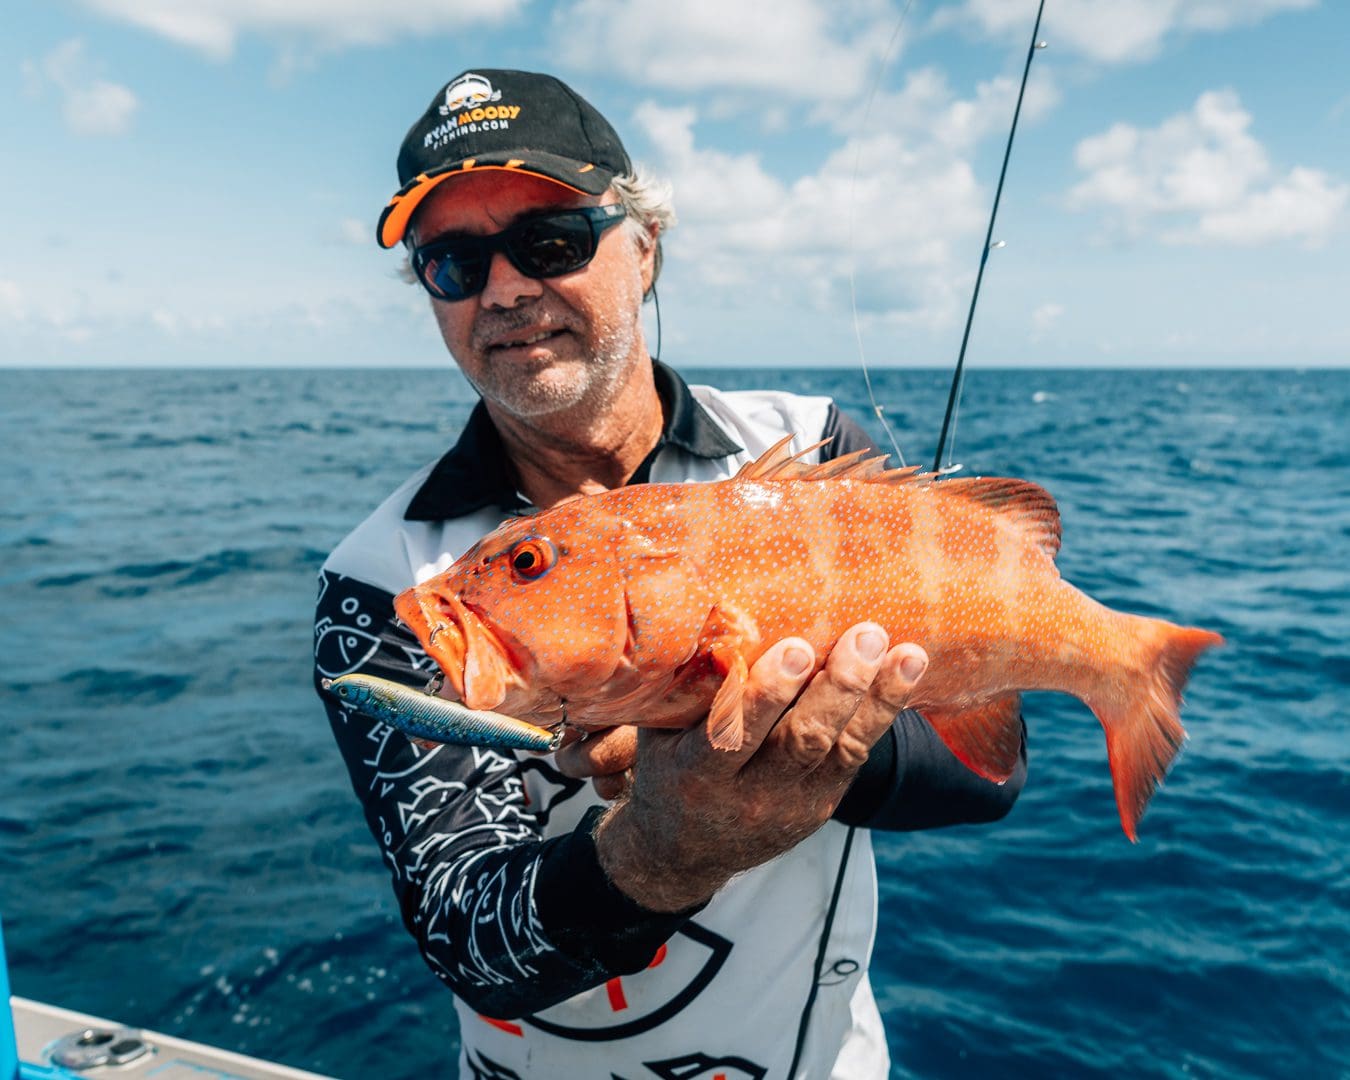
pixel 476 473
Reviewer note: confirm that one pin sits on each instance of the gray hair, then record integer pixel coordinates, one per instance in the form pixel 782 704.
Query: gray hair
pixel 647 200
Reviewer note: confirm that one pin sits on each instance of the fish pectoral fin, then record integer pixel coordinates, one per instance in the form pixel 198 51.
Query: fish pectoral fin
pixel 726 717
pixel 666 607
pixel 986 738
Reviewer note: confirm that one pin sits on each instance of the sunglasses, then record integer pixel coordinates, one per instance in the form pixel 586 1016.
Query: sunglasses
pixel 456 267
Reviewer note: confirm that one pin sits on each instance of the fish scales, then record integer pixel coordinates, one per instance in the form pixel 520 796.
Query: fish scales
pixel 649 603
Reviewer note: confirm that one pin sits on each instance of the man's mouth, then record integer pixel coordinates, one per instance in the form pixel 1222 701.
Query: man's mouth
pixel 526 341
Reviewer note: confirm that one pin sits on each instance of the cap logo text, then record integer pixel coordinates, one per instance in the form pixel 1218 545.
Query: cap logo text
pixel 491 118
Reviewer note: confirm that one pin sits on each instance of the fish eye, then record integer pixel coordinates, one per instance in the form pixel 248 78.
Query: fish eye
pixel 532 557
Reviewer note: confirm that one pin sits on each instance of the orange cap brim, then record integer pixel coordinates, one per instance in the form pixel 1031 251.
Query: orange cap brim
pixel 396 216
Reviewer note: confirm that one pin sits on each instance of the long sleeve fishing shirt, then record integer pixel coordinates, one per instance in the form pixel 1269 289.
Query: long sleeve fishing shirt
pixel 492 853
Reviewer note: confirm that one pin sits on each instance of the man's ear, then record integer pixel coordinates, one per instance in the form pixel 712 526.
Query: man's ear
pixel 650 254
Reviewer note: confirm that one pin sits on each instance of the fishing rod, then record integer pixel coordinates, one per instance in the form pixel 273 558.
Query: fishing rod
pixel 828 925
pixel 953 398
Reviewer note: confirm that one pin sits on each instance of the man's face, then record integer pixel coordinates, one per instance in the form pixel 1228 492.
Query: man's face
pixel 533 346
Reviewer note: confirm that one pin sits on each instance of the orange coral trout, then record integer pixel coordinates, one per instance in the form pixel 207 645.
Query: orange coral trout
pixel 647 605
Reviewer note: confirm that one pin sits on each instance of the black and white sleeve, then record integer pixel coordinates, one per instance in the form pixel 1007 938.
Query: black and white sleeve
pixel 511 922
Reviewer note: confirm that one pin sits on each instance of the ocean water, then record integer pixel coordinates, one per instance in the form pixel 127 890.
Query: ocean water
pixel 179 848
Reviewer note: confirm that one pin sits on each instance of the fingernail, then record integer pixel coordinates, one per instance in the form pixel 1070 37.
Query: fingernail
pixel 911 667
pixel 794 660
pixel 870 644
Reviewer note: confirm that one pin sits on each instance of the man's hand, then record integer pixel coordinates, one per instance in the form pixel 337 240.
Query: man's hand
pixel 605 757
pixel 694 816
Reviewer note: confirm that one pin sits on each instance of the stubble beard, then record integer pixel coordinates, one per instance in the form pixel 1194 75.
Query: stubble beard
pixel 558 386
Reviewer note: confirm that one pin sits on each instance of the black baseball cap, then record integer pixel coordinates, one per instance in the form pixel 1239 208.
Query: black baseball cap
pixel 491 118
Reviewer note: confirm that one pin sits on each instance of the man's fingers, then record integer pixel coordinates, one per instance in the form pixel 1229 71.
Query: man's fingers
pixel 601 753
pixel 775 680
pixel 900 670
pixel 610 788
pixel 811 729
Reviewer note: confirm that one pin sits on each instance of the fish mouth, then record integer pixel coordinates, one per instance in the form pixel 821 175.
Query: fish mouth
pixel 464 647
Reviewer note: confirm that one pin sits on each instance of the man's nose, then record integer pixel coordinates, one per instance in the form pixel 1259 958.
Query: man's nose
pixel 506 286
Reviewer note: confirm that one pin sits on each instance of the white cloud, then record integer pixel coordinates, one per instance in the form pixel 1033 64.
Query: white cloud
pixel 12 306
pixel 1117 31
pixel 101 108
pixel 794 50
pixel 90 104
pixel 927 110
pixel 908 222
pixel 1044 318
pixel 1200 177
pixel 1306 205
pixel 214 26
pixel 356 231
pixel 54 318
pixel 180 324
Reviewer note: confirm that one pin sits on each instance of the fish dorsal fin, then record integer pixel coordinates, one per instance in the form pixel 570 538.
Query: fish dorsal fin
pixel 1020 501
pixel 779 462
pixel 776 459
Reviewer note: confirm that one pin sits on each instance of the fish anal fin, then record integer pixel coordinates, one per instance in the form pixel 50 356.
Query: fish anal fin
pixel 726 717
pixel 1029 505
pixel 986 738
pixel 1143 726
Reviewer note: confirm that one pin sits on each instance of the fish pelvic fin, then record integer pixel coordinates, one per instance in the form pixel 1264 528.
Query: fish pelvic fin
pixel 726 717
pixel 1143 728
pixel 986 738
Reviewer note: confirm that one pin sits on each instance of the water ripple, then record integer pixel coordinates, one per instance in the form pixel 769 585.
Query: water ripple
pixel 179 847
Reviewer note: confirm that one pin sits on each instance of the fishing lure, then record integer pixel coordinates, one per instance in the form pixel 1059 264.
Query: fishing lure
pixel 427 716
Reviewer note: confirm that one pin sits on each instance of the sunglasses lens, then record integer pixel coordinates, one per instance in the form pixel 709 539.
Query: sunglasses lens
pixel 552 246
pixel 543 247
pixel 451 275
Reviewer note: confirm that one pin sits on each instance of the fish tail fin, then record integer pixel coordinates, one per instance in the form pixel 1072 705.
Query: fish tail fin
pixel 1143 730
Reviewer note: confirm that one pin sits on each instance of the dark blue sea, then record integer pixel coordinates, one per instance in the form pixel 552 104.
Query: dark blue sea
pixel 179 848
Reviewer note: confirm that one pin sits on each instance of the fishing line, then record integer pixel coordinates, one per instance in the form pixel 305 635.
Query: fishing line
pixel 820 953
pixel 656 302
pixel 958 375
pixel 852 205
pixel 804 1023
pixel 953 412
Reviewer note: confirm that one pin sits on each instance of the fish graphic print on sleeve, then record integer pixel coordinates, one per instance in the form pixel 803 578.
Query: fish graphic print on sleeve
pixel 462 845
pixel 492 856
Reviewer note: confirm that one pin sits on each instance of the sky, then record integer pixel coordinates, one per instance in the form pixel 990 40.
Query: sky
pixel 196 183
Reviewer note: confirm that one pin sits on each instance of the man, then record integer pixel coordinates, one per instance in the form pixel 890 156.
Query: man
pixel 660 935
